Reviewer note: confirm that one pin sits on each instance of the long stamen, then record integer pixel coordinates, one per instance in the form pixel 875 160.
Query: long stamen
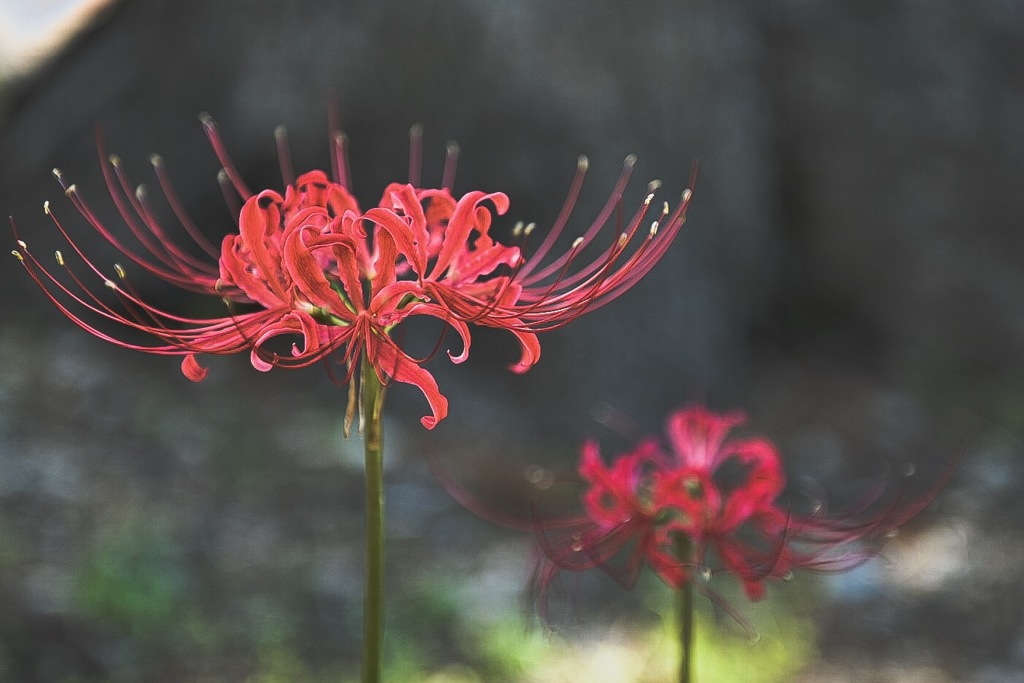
pixel 415 154
pixel 451 160
pixel 339 159
pixel 602 219
pixel 582 164
pixel 230 196
pixel 213 134
pixel 284 157
pixel 178 208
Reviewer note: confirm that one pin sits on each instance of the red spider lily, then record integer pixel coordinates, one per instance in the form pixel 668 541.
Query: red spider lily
pixel 310 267
pixel 699 504
pixel 448 249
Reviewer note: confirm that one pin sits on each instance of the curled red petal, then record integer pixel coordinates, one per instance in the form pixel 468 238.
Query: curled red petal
pixel 696 435
pixel 390 361
pixel 529 347
pixel 441 313
pixel 191 368
pixel 258 362
pixel 468 215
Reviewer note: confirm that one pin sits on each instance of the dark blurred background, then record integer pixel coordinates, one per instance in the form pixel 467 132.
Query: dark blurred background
pixel 850 275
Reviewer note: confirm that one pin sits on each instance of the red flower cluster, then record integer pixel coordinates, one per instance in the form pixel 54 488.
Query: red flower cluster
pixel 311 267
pixel 699 504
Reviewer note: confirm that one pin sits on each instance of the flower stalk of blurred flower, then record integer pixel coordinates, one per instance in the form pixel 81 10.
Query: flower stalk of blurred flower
pixel 310 269
pixel 701 504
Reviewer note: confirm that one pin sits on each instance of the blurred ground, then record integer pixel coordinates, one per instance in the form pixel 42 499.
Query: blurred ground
pixel 850 276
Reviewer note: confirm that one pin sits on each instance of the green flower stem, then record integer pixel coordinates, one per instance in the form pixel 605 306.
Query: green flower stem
pixel 372 397
pixel 684 614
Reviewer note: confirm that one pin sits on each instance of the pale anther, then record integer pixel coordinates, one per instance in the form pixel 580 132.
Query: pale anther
pixel 59 256
pixel 529 228
pixel 17 255
pixel 577 242
pixel 21 243
pixel 119 269
pixel 582 162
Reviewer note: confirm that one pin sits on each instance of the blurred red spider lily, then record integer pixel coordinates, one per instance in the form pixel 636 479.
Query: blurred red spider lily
pixel 702 503
pixel 310 267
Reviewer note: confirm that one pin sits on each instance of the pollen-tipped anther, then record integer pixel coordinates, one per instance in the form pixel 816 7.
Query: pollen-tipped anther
pixel 46 207
pixel 59 256
pixel 119 269
pixel 577 242
pixel 17 255
pixel 654 228
pixel 528 229
pixel 517 229
pixel 115 160
pixel 582 163
pixel 71 189
pixel 23 245
pixel 687 193
pixel 206 119
pixel 653 186
pixel 59 175
pixel 629 162
pixel 222 176
pixel 141 193
pixel 156 160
